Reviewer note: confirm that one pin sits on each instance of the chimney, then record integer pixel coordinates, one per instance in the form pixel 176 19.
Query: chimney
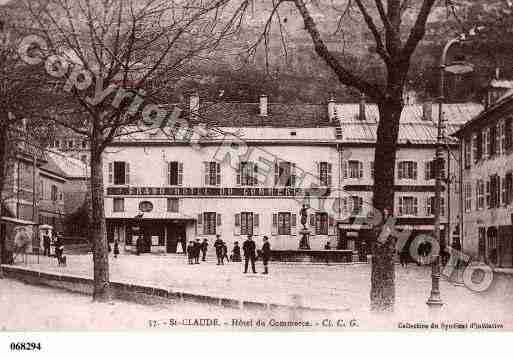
pixel 332 111
pixel 427 111
pixel 194 104
pixel 361 112
pixel 263 105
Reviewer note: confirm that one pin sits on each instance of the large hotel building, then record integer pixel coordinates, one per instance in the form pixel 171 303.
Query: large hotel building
pixel 247 168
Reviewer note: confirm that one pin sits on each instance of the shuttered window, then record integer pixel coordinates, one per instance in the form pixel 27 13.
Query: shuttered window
pixel 407 170
pixel 175 173
pixel 212 172
pixel 209 222
pixel 324 170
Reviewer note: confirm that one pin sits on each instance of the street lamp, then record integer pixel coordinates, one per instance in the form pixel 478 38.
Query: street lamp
pixel 458 68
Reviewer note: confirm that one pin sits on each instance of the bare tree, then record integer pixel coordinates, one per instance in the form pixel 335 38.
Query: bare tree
pixel 112 58
pixel 396 28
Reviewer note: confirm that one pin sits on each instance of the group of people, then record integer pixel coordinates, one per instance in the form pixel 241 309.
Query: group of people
pixel 195 249
pixel 198 248
pixel 58 244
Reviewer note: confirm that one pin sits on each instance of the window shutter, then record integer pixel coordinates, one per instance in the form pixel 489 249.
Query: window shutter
pixel 329 174
pixel 239 173
pixel 274 227
pixel 318 166
pixel 344 168
pixel 400 170
pixel 168 173
pixel 293 175
pixel 400 206
pixel 371 170
pixel 414 170
pixel 218 223
pixel 206 166
pixel 428 206
pixel 236 228
pixel 360 169
pixel 415 205
pixel 293 224
pixel 180 173
pixel 256 223
pixel 218 167
pixel 110 170
pixel 199 224
pixel 276 174
pixel 127 173
pixel 255 174
pixel 508 127
pixel 427 170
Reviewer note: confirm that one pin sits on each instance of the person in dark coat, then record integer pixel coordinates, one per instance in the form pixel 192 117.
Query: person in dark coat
pixel 218 245
pixel 249 249
pixel 59 248
pixel 190 252
pixel 116 249
pixel 204 247
pixel 236 252
pixel 46 244
pixel 266 254
pixel 197 251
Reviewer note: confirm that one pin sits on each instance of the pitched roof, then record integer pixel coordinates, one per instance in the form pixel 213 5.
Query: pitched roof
pixel 241 114
pixel 52 167
pixel 483 115
pixel 413 128
pixel 70 167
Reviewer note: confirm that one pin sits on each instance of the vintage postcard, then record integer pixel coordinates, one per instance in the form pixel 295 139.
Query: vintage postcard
pixel 241 165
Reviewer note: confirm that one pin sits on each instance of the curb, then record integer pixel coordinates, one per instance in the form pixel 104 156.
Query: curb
pixel 146 294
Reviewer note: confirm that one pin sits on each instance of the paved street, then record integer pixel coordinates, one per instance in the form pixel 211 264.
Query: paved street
pixel 343 287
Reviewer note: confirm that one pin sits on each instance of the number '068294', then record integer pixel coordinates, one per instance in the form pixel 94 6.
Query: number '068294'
pixel 25 346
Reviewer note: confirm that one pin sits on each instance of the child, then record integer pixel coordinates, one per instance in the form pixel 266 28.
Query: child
pixel 190 252
pixel 236 252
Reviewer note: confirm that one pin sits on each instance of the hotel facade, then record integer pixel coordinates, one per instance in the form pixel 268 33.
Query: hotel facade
pixel 248 169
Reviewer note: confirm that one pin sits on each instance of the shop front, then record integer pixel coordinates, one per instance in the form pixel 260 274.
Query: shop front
pixel 151 235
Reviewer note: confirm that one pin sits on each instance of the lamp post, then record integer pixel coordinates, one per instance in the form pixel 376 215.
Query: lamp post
pixel 457 67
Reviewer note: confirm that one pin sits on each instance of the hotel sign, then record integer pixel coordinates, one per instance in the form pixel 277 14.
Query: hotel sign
pixel 214 191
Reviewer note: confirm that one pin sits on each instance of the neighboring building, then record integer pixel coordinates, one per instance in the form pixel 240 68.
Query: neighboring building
pixel 168 190
pixel 43 186
pixel 414 182
pixel 487 151
pixel 75 193
pixel 74 145
pixel 50 194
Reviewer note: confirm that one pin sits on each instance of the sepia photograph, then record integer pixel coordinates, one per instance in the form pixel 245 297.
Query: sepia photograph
pixel 327 166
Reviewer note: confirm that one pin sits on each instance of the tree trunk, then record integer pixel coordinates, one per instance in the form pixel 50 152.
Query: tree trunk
pixel 3 161
pixel 98 233
pixel 382 295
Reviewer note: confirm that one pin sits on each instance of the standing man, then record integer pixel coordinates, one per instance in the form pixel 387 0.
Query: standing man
pixel 197 250
pixel 218 245
pixel 46 244
pixel 204 247
pixel 266 254
pixel 249 248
